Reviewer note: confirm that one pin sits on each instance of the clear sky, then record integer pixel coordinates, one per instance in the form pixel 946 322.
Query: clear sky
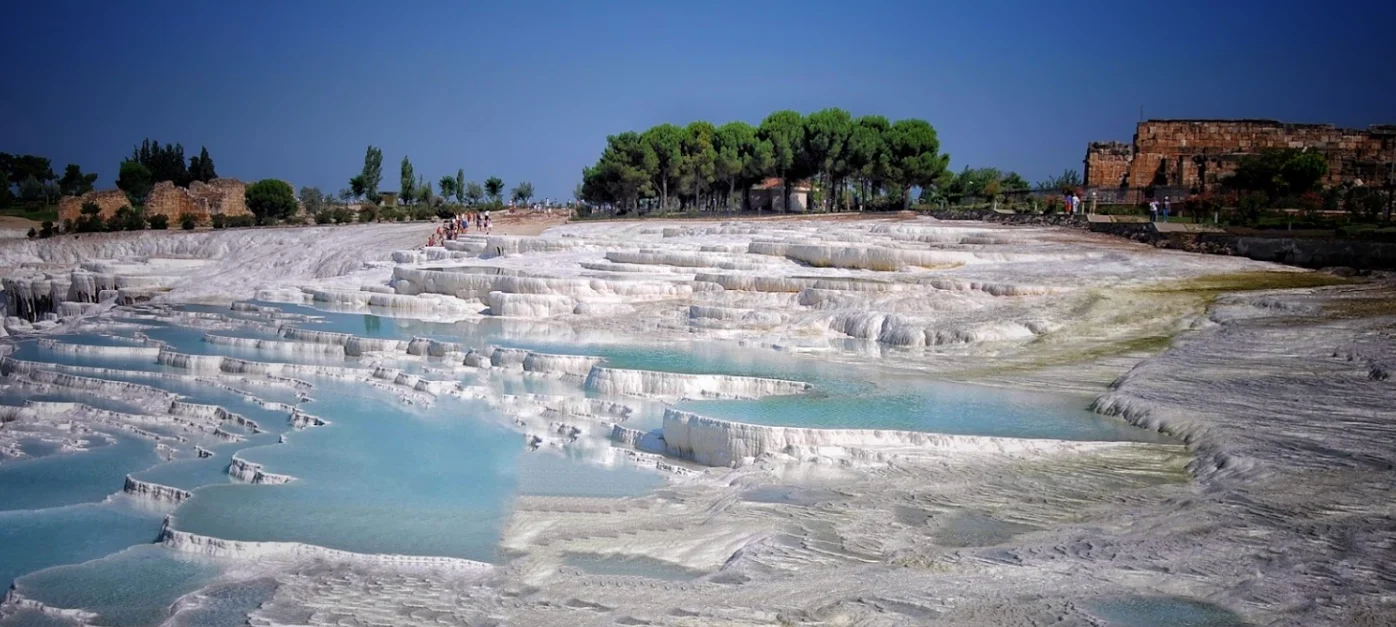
pixel 529 90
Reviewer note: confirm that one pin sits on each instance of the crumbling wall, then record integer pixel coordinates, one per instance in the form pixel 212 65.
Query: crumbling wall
pixel 201 200
pixel 1107 164
pixel 70 207
pixel 1200 153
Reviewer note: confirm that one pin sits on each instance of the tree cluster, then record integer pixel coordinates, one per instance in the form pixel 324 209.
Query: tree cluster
pixel 414 189
pixel 862 162
pixel 1278 173
pixel 151 163
pixel 30 179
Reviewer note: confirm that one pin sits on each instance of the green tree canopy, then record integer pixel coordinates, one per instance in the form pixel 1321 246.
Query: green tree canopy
pixel 460 186
pixel 664 164
pixel 522 192
pixel 915 157
pixel 271 200
pixel 407 183
pixel 1279 172
pixel 74 182
pixel 827 136
pixel 495 188
pixel 136 180
pixel 424 193
pixel 698 168
pixel 312 199
pixel 358 188
pixel 474 192
pixel 165 163
pixel 201 167
pixel 448 186
pixel 372 174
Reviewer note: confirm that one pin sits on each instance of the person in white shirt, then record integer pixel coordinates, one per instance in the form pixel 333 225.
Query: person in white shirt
pixel 1075 204
pixel 1153 210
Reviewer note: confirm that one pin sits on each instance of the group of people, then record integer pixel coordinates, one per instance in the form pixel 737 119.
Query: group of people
pixel 1074 204
pixel 453 228
pixel 1154 209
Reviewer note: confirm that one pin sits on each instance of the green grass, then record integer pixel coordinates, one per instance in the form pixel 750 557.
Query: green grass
pixel 38 213
pixel 1212 285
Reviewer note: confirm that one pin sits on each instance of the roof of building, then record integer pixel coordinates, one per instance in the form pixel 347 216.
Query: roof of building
pixel 775 182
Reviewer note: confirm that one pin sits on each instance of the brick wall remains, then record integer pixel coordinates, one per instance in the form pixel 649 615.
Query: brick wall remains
pixel 1199 153
pixel 70 207
pixel 202 200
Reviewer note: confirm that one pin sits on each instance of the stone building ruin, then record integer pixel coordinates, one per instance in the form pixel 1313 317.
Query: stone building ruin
pixel 1195 155
pixel 201 200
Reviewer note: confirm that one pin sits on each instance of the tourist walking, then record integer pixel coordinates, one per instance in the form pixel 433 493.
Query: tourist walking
pixel 1075 204
pixel 1167 205
pixel 1153 210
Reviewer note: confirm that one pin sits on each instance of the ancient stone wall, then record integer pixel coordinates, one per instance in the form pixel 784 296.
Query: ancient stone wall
pixel 201 200
pixel 1107 164
pixel 1200 153
pixel 70 207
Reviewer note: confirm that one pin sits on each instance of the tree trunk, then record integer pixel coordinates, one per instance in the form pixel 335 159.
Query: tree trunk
pixel 663 193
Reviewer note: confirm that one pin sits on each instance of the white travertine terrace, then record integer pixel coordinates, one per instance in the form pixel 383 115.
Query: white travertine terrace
pixel 1275 505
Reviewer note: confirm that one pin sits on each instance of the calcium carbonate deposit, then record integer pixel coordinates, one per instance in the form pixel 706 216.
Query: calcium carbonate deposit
pixel 790 421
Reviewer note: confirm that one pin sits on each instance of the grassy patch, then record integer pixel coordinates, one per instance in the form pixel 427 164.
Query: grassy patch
pixel 35 213
pixel 1362 306
pixel 1214 284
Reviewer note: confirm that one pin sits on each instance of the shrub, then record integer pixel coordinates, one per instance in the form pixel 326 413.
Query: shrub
pixel 368 214
pixel 242 221
pixel 423 212
pixel 187 221
pixel 126 219
pixel 159 222
pixel 47 231
pixel 219 221
pixel 445 213
pixel 324 216
pixel 32 233
pixel 271 200
pixel 1249 208
pixel 68 225
pixel 343 215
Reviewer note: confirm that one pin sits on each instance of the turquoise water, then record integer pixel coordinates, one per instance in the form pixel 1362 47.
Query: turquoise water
pixel 69 479
pixel 31 540
pixel 132 588
pixel 389 477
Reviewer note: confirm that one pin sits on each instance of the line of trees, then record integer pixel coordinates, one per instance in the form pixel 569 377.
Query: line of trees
pixel 30 179
pixel 414 189
pixel 151 163
pixel 854 162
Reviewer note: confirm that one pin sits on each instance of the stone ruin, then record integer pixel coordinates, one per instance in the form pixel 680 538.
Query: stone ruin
pixel 70 207
pixel 1198 154
pixel 201 200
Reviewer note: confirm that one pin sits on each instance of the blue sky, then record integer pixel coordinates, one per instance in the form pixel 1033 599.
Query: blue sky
pixel 528 90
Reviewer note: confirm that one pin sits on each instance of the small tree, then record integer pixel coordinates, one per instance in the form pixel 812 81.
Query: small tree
pixel 408 181
pixel 368 214
pixel 33 234
pixel 523 192
pixel 47 231
pixel 74 182
pixel 126 219
pixel 495 188
pixel 474 193
pixel 460 186
pixel 271 200
pixel 91 219
pixel 158 222
pixel 448 186
pixel 312 199
pixel 324 216
pixel 136 180
pixel 187 221
pixel 219 221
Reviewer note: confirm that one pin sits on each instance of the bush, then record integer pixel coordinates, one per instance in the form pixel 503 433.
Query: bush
pixel 445 213
pixel 47 231
pixel 159 222
pixel 126 219
pixel 324 216
pixel 343 215
pixel 423 212
pixel 368 214
pixel 242 221
pixel 187 221
pixel 219 220
pixel 32 233
pixel 271 200
pixel 1250 207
